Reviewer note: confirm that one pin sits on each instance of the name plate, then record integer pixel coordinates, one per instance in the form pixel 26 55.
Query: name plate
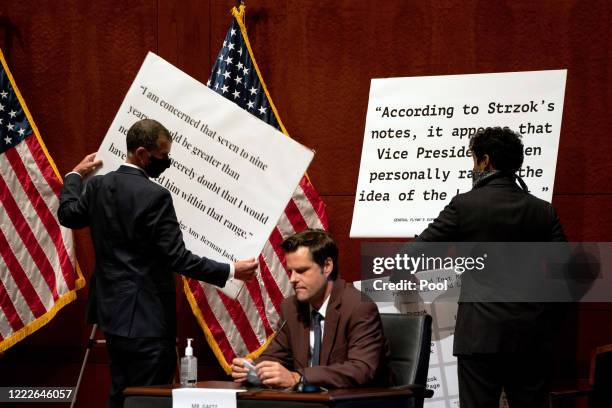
pixel 204 398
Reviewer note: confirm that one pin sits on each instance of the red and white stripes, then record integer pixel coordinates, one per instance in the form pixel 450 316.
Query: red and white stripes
pixel 37 260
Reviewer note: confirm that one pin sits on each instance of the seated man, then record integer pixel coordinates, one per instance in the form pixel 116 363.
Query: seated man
pixel 332 335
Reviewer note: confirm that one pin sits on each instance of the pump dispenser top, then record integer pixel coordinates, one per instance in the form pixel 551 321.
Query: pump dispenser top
pixel 189 349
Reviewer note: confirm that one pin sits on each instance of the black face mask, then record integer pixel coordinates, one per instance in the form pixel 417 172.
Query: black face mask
pixel 156 166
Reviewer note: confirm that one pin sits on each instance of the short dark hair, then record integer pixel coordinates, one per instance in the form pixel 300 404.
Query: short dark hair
pixel 320 244
pixel 503 146
pixel 145 133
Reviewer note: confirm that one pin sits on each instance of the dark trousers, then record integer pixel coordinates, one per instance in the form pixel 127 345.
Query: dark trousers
pixel 137 362
pixel 523 376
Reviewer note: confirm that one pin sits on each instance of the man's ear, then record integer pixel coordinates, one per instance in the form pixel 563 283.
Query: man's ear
pixel 328 267
pixel 141 154
pixel 485 162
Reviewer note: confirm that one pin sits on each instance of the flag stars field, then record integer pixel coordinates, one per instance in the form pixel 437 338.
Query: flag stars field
pixel 233 76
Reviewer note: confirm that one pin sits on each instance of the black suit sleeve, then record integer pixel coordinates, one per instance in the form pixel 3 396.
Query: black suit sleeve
pixel 168 241
pixel 73 211
pixel 556 234
pixel 444 228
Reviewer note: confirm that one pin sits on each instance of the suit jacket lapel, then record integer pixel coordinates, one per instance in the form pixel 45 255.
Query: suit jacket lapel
pixel 331 321
pixel 302 341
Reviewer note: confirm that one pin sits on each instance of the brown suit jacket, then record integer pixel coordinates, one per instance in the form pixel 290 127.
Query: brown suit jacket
pixel 354 351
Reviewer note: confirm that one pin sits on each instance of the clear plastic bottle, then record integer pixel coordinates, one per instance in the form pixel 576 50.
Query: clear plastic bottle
pixel 189 367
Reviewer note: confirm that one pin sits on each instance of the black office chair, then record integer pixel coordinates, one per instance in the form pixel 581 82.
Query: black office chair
pixel 597 389
pixel 410 341
pixel 602 377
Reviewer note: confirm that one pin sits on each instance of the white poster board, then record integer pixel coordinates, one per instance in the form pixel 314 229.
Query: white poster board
pixel 232 174
pixel 415 155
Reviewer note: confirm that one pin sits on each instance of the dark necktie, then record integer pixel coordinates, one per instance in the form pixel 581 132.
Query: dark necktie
pixel 316 349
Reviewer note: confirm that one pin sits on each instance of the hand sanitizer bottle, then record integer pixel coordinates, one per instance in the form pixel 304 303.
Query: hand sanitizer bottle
pixel 189 367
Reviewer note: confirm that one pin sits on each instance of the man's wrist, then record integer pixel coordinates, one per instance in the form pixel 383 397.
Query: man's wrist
pixel 297 379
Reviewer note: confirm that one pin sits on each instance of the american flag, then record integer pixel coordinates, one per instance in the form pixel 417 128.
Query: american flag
pixel 38 271
pixel 243 327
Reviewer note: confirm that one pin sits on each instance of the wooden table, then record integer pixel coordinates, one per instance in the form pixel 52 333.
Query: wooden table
pixel 389 397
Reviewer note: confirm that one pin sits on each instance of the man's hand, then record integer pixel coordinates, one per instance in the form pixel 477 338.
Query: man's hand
pixel 245 270
pixel 87 165
pixel 273 374
pixel 239 371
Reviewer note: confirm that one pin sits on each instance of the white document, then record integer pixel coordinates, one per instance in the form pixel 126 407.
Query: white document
pixel 204 398
pixel 232 174
pixel 415 155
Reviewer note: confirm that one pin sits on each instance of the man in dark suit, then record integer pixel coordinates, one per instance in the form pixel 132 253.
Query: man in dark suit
pixel 332 336
pixel 499 345
pixel 138 244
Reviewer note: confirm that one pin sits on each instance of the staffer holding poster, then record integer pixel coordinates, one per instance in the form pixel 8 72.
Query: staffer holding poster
pixel 499 345
pixel 138 243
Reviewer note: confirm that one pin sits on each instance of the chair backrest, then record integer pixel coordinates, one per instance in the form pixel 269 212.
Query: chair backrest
pixel 410 341
pixel 601 377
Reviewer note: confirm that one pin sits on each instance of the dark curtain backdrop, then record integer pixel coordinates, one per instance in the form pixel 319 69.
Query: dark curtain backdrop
pixel 74 61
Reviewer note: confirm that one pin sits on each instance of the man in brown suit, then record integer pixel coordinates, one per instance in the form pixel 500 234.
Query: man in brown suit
pixel 332 335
